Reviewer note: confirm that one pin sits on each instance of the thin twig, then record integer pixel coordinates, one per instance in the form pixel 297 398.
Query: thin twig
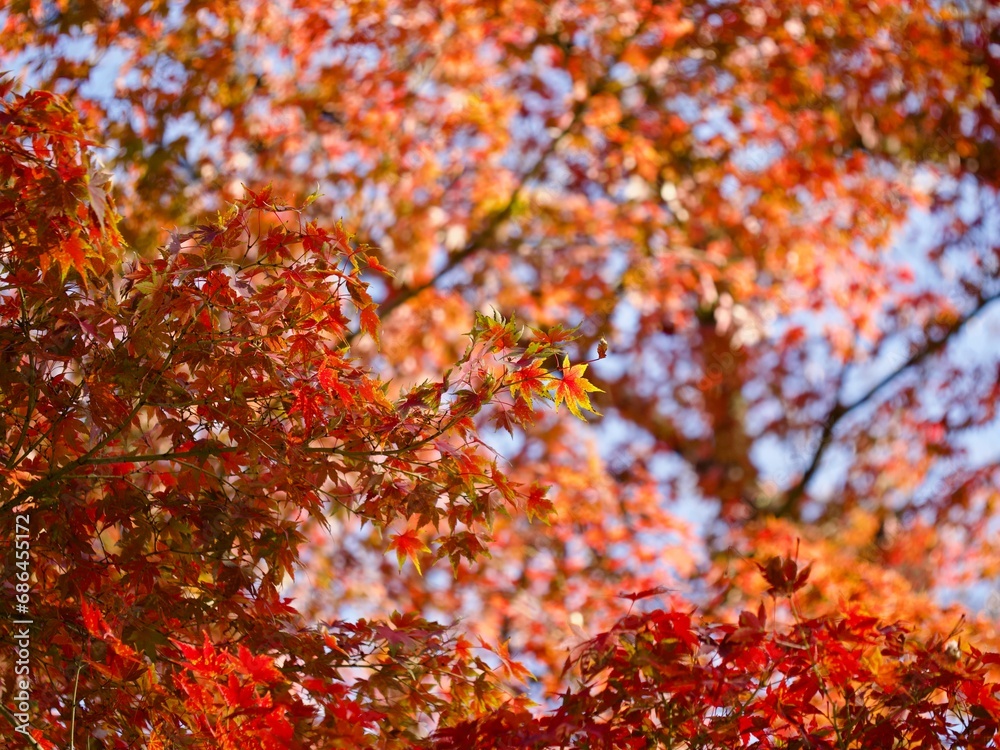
pixel 72 720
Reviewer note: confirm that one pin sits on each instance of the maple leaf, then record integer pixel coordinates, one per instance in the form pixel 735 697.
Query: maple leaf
pixel 784 575
pixel 370 322
pixel 330 382
pixel 309 404
pixel 507 489
pixel 511 667
pixel 644 594
pixel 503 418
pixel 530 381
pixel 408 545
pixel 260 668
pixel 555 335
pixel 93 620
pixel 156 741
pixel 18 478
pixel 374 264
pixel 71 254
pixel 573 389
pixel 537 504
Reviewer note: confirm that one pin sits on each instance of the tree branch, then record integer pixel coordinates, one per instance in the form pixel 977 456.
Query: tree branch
pixel 39 485
pixel 840 410
pixel 478 240
pixel 486 233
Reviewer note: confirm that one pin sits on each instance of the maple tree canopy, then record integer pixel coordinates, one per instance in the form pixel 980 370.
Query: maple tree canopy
pixel 588 374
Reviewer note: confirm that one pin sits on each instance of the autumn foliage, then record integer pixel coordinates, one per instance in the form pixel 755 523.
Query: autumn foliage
pixel 500 375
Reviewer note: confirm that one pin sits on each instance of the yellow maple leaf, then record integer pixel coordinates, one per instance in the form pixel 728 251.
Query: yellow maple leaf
pixel 573 389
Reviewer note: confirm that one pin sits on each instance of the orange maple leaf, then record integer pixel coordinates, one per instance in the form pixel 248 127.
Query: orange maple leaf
pixel 71 254
pixel 528 381
pixel 573 389
pixel 370 322
pixel 408 545
pixel 511 667
pixel 330 382
pixel 538 505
